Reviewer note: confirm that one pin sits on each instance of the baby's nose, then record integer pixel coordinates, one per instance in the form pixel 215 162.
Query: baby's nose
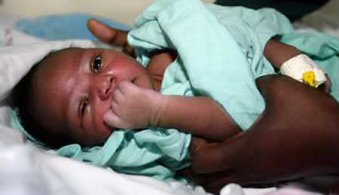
pixel 104 87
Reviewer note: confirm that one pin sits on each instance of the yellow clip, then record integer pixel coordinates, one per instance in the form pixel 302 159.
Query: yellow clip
pixel 309 78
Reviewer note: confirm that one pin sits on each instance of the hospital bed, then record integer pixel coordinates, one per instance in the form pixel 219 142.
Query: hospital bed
pixel 26 169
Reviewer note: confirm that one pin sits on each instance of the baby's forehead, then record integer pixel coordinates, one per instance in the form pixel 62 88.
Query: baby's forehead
pixel 62 57
pixel 64 54
pixel 70 53
pixel 60 62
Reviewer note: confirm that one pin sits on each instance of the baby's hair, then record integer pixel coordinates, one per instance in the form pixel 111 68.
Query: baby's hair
pixel 21 98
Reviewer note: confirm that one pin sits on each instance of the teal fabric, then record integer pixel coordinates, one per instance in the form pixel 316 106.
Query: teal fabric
pixel 158 153
pixel 220 55
pixel 220 51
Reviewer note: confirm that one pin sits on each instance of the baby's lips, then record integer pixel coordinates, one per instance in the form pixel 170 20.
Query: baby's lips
pixel 109 118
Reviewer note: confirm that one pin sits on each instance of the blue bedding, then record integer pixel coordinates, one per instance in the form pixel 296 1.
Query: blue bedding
pixel 61 27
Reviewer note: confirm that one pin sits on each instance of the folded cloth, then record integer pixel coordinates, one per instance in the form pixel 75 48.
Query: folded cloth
pixel 220 51
pixel 158 153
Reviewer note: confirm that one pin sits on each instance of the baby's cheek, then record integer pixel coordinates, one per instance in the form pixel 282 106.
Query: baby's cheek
pixel 103 128
pixel 100 131
pixel 109 118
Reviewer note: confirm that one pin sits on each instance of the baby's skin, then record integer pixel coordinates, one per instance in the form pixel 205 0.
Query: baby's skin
pixel 79 85
pixel 92 92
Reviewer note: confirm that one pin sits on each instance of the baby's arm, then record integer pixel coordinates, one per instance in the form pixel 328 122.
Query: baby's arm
pixel 290 62
pixel 277 53
pixel 200 116
pixel 134 107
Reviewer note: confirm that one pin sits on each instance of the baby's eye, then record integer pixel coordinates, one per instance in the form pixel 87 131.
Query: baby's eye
pixel 97 64
pixel 83 105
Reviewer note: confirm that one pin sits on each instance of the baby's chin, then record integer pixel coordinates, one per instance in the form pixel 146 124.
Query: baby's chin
pixel 109 130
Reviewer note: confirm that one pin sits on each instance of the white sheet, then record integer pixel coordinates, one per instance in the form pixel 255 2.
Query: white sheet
pixel 26 170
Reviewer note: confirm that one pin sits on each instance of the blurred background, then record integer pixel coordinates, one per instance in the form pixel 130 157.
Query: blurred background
pixel 64 19
pixel 126 11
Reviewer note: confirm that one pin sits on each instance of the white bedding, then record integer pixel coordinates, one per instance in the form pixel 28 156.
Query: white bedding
pixel 26 169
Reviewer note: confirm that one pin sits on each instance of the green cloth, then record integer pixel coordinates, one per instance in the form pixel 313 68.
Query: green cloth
pixel 220 56
pixel 154 152
pixel 220 51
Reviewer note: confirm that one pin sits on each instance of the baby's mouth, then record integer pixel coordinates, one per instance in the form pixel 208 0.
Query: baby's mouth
pixel 134 80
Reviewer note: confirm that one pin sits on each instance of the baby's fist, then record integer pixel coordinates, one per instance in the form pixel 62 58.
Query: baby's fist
pixel 133 107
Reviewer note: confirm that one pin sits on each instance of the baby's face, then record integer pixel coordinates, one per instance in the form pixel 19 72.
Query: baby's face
pixel 73 90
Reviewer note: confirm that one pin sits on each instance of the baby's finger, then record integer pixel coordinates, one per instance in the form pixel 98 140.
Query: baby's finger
pixel 118 95
pixel 115 107
pixel 127 86
pixel 112 119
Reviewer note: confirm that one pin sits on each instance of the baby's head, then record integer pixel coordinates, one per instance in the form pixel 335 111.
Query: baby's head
pixel 64 97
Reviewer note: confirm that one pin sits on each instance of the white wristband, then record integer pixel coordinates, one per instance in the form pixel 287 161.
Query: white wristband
pixel 303 69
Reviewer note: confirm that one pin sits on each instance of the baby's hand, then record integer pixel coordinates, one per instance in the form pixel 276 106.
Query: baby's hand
pixel 133 107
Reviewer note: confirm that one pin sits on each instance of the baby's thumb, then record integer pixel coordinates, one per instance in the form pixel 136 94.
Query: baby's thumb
pixel 111 119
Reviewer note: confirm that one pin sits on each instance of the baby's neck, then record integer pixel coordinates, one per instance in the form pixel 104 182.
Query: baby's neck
pixel 158 64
